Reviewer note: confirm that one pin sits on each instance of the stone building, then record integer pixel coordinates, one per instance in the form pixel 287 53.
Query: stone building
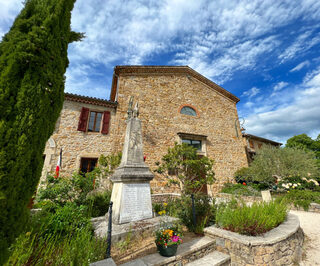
pixel 177 104
pixel 254 143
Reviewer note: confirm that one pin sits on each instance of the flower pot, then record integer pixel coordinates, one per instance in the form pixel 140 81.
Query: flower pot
pixel 167 251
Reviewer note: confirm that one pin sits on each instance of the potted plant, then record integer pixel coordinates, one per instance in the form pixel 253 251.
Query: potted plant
pixel 167 241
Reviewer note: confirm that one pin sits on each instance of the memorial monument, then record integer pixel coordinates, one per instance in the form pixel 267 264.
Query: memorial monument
pixel 131 194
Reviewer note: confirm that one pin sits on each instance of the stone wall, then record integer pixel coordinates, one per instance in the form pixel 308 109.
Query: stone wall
pixel 160 97
pixel 224 197
pixel 76 144
pixel 164 197
pixel 280 246
pixel 314 207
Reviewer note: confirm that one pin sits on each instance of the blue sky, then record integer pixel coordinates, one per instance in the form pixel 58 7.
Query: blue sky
pixel 264 52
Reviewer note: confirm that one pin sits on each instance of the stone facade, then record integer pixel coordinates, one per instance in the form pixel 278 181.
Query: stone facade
pixel 161 93
pixel 254 143
pixel 280 246
pixel 75 144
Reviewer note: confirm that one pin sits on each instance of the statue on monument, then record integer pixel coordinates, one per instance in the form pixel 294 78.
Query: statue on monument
pixel 131 180
pixel 129 112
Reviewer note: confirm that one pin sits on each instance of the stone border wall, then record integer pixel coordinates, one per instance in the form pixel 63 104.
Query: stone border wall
pixel 280 246
pixel 164 197
pixel 314 207
pixel 228 197
pixel 224 197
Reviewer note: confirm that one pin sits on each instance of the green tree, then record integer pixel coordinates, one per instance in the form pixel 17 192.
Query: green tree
pixel 33 60
pixel 300 141
pixel 303 141
pixel 282 162
pixel 182 166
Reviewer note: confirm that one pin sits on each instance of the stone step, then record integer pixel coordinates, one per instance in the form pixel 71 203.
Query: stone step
pixel 187 252
pixel 215 258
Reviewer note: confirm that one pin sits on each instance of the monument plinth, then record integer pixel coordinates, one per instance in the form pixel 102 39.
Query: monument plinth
pixel 131 195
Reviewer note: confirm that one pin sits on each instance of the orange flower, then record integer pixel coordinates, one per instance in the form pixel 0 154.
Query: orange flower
pixel 168 231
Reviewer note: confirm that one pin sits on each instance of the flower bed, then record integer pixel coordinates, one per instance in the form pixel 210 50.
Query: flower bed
pixel 252 220
pixel 280 246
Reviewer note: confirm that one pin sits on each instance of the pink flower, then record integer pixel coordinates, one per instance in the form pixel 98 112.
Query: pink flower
pixel 175 239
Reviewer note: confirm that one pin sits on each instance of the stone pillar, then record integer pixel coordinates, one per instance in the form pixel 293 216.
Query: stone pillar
pixel 131 194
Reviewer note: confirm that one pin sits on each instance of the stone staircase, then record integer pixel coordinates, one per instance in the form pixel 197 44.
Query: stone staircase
pixel 199 251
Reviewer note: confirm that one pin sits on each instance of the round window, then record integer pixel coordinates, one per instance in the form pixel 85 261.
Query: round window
pixel 186 110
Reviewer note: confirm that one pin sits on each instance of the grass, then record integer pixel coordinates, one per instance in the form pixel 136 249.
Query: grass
pixel 301 198
pixel 251 220
pixel 80 248
pixel 240 189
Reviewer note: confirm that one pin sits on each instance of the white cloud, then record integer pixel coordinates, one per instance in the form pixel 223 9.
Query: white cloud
pixel 302 44
pixel 292 117
pixel 251 93
pixel 280 85
pixel 300 66
pixel 217 38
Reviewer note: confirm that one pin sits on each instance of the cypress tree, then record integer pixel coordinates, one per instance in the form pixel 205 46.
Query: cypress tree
pixel 33 60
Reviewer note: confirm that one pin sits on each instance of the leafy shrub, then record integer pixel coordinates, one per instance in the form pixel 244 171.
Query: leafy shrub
pixel 301 198
pixel 182 166
pixel 240 189
pixel 58 191
pixel 68 219
pixel 76 189
pixel 282 162
pixel 65 189
pixel 204 209
pixel 251 220
pixel 99 203
pixel 242 175
pixel 172 207
pixel 296 182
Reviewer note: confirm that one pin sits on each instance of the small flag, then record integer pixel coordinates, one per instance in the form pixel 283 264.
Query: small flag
pixel 58 167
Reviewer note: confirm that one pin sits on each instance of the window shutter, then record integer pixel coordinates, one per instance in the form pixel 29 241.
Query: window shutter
pixel 106 122
pixel 82 126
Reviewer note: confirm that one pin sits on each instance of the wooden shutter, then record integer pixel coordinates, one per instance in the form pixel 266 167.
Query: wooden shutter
pixel 106 122
pixel 82 126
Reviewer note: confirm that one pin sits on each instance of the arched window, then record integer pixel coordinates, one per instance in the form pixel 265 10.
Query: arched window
pixel 187 110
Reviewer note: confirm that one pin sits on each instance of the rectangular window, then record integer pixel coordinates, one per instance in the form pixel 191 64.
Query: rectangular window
pixel 94 121
pixel 195 143
pixel 251 144
pixel 88 164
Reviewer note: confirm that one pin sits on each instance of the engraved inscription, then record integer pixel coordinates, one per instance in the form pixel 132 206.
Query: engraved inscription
pixel 136 202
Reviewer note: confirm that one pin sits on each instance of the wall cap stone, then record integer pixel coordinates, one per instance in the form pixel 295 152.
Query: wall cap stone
pixel 282 232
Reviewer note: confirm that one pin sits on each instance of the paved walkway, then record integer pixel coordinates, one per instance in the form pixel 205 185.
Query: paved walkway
pixel 310 223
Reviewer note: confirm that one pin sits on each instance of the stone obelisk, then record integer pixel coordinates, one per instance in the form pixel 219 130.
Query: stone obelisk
pixel 131 195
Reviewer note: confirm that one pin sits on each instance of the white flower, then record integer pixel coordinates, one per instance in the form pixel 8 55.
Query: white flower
pixel 299 184
pixel 284 185
pixel 290 184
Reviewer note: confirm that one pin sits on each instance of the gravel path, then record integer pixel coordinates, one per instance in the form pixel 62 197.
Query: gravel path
pixel 310 223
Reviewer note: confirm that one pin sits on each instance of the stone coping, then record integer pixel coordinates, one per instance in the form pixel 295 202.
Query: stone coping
pixel 120 231
pixel 228 195
pixel 282 232
pixel 167 194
